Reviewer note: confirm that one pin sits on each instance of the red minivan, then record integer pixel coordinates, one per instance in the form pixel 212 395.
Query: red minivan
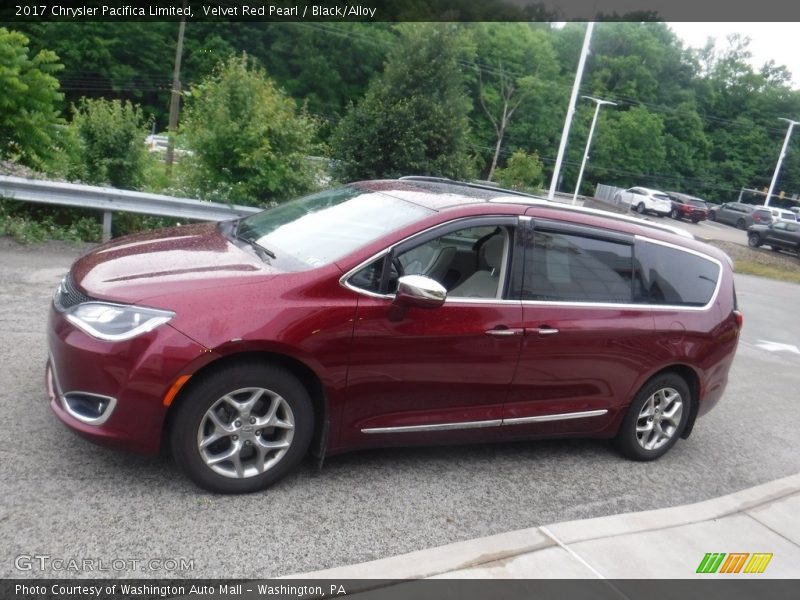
pixel 383 313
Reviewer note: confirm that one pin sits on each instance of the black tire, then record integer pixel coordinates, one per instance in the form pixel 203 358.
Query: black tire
pixel 775 248
pixel 753 240
pixel 640 208
pixel 741 224
pixel 294 405
pixel 712 215
pixel 628 440
pixel 675 214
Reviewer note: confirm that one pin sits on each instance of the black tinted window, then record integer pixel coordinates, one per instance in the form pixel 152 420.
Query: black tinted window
pixel 573 268
pixel 672 276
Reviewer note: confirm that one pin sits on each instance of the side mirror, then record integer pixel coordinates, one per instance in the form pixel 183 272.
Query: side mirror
pixel 419 291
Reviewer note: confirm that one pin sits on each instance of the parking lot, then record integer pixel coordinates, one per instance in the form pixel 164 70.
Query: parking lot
pixel 66 498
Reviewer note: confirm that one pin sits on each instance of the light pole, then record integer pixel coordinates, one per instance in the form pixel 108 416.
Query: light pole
pixel 780 158
pixel 570 109
pixel 598 102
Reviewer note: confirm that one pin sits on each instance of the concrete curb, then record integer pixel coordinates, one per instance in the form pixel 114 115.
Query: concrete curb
pixel 548 546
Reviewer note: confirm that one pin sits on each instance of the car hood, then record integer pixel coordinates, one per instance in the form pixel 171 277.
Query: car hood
pixel 179 259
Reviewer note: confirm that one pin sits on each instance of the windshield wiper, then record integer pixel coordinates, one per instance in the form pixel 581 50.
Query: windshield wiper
pixel 260 250
pixel 263 253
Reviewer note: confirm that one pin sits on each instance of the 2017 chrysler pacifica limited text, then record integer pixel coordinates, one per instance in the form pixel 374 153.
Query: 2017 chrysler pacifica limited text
pixel 411 311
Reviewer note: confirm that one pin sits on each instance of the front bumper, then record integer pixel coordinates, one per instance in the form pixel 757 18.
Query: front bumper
pixel 112 392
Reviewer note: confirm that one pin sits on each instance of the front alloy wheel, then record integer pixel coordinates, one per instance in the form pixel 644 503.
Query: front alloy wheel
pixel 753 240
pixel 242 427
pixel 656 418
pixel 246 432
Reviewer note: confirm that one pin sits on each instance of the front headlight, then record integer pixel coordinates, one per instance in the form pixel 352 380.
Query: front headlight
pixel 116 322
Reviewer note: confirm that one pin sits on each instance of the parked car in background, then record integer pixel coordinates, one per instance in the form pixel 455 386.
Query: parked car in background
pixel 781 235
pixel 781 214
pixel 738 214
pixel 762 216
pixel 688 207
pixel 387 313
pixel 644 200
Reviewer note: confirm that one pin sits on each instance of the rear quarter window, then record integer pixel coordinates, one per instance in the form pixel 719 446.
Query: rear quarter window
pixel 671 276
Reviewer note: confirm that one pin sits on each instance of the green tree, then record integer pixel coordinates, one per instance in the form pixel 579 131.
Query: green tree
pixel 516 66
pixel 523 172
pixel 249 142
pixel 414 118
pixel 112 135
pixel 29 100
pixel 630 146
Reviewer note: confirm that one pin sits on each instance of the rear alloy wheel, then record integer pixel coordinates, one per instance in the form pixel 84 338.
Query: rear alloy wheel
pixel 740 224
pixel 242 428
pixel 675 214
pixel 656 418
pixel 753 240
pixel 640 208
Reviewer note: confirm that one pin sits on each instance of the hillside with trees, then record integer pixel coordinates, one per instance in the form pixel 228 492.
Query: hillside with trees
pixel 382 100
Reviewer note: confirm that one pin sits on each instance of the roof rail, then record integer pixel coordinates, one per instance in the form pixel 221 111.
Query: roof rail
pixel 477 186
pixel 532 200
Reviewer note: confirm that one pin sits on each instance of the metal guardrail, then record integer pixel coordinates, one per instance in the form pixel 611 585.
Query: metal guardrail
pixel 110 200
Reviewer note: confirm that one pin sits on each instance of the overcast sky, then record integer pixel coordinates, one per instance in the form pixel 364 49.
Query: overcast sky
pixel 769 41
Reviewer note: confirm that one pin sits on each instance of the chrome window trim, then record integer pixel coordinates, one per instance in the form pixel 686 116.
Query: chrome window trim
pixel 490 423
pixel 343 280
pixel 112 402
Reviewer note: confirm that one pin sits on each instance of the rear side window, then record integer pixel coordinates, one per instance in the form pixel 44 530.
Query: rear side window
pixel 674 277
pixel 572 268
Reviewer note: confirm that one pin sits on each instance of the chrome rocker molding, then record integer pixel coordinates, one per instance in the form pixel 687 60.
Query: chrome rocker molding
pixel 492 423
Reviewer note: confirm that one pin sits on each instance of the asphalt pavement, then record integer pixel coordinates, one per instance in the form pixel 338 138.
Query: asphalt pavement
pixel 62 497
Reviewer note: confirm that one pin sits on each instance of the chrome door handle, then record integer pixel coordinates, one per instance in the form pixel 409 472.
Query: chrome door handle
pixel 544 330
pixel 503 332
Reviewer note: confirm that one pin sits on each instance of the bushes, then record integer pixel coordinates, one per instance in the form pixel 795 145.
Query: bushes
pixel 249 144
pixel 523 172
pixel 107 142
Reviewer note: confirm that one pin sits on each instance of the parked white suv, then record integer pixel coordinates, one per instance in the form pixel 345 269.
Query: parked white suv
pixel 779 214
pixel 644 200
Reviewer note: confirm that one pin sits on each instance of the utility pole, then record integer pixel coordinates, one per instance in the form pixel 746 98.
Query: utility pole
pixel 780 158
pixel 598 103
pixel 571 110
pixel 175 96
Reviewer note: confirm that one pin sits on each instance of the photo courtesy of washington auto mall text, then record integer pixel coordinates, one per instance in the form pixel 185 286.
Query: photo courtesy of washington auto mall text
pixel 126 589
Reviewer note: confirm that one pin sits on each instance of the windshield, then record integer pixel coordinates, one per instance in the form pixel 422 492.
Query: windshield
pixel 661 197
pixel 319 229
